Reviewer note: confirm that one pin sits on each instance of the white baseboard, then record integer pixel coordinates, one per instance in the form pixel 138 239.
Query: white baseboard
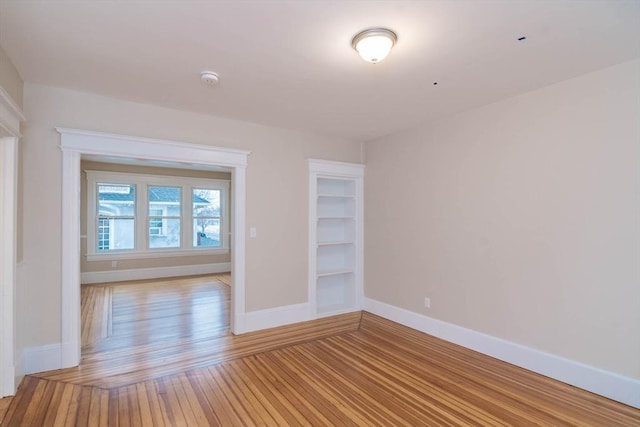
pixel 273 317
pixel 44 358
pixel 69 354
pixel 608 384
pixel 9 385
pixel 19 369
pixel 152 273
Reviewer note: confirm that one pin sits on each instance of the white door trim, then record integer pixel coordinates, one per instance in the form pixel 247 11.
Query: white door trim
pixel 8 163
pixel 75 143
pixel 10 118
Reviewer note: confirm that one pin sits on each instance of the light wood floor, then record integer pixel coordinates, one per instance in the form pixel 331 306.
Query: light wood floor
pixel 4 405
pixel 145 313
pixel 181 324
pixel 350 370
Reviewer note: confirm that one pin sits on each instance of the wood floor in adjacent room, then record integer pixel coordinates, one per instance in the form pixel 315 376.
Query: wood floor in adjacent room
pixel 178 365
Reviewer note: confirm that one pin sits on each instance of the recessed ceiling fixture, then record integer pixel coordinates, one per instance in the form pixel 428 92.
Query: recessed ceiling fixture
pixel 374 44
pixel 209 77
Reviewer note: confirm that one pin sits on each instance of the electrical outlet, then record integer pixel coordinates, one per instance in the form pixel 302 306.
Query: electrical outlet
pixel 427 302
pixel 114 264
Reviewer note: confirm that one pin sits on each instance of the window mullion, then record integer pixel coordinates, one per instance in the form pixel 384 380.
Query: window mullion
pixel 141 223
pixel 187 228
pixel 225 216
pixel 92 215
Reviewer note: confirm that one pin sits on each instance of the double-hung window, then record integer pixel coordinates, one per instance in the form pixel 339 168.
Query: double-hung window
pixel 116 216
pixel 206 217
pixel 164 213
pixel 144 216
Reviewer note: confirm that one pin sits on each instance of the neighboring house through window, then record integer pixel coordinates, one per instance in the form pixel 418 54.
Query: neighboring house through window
pixel 164 213
pixel 116 216
pixel 156 225
pixel 104 234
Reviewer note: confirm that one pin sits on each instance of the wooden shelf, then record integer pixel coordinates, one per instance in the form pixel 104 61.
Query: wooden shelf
pixel 336 196
pixel 334 218
pixel 333 309
pixel 333 273
pixel 336 243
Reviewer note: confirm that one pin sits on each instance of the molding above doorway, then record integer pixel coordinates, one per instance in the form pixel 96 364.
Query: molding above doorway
pixel 11 115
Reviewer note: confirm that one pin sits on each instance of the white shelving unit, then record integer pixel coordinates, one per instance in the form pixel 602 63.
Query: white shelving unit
pixel 335 237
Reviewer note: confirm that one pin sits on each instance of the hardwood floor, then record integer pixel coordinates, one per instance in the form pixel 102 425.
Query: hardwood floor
pixel 138 314
pixel 161 327
pixel 4 405
pixel 350 370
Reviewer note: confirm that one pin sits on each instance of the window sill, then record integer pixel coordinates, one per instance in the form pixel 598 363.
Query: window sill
pixel 170 253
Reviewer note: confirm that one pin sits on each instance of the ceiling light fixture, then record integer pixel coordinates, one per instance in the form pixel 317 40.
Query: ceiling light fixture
pixel 374 44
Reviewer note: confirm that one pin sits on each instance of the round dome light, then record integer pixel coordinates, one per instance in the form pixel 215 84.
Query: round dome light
pixel 374 44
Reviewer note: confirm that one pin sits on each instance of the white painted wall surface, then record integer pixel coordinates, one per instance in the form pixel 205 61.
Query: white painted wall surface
pixel 520 219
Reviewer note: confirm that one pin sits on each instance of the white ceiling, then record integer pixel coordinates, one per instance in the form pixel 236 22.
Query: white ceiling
pixel 290 63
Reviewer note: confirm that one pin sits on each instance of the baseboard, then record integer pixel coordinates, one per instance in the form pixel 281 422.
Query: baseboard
pixel 153 273
pixel 9 386
pixel 608 384
pixel 274 317
pixel 18 352
pixel 44 358
pixel 69 354
pixel 19 370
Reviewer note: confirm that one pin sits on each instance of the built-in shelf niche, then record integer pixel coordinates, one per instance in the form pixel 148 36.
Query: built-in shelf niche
pixel 335 230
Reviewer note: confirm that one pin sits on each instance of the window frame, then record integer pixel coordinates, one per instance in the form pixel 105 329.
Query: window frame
pixel 142 182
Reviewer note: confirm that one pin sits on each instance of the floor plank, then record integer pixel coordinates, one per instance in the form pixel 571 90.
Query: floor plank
pixel 350 370
pixel 4 406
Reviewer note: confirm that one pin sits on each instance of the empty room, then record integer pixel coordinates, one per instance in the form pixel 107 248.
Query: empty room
pixel 320 212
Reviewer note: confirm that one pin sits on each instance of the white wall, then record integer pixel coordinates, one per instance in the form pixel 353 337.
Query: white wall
pixel 520 219
pixel 276 194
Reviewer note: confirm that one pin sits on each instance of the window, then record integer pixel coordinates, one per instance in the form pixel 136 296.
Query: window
pixel 146 216
pixel 206 217
pixel 164 216
pixel 116 216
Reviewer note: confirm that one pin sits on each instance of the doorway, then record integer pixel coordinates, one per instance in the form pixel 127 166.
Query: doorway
pixel 77 143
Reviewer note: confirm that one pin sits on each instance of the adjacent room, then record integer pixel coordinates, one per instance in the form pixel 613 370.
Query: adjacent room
pixel 155 259
pixel 280 212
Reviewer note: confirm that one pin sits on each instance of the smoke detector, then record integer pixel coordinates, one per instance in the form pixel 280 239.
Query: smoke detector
pixel 209 77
